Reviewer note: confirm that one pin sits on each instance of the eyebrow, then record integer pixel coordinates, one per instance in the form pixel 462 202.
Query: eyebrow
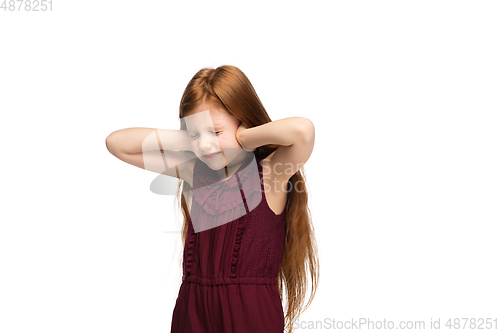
pixel 216 126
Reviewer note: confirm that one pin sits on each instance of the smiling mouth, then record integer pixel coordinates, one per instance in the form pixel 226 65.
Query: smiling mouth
pixel 211 155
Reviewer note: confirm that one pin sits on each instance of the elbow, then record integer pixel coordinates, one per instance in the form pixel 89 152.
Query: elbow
pixel 110 145
pixel 306 131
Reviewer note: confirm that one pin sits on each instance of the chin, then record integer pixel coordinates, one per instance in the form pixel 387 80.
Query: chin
pixel 215 163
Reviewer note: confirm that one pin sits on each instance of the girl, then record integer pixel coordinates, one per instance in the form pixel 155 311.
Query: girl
pixel 237 271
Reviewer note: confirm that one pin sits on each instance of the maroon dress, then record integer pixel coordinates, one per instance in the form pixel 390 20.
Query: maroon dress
pixel 230 271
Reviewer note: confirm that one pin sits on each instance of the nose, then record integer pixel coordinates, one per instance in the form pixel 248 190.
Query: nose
pixel 206 144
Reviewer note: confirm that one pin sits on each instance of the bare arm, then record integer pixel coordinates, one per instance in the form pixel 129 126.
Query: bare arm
pixel 295 135
pixel 139 139
pixel 157 150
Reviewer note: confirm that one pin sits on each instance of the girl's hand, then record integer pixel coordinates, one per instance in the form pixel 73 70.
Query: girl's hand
pixel 241 128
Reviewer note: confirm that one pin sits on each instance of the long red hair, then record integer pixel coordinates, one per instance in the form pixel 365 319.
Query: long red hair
pixel 229 88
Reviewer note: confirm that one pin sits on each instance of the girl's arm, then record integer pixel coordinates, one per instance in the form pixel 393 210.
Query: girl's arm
pixel 295 135
pixel 137 140
pixel 157 150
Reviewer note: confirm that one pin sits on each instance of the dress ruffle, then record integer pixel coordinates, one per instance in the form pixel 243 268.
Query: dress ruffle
pixel 189 254
pixel 237 245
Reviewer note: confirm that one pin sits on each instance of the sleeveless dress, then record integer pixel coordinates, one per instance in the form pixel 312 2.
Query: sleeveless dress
pixel 230 271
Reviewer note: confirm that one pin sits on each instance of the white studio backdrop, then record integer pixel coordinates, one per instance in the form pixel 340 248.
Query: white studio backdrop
pixel 403 181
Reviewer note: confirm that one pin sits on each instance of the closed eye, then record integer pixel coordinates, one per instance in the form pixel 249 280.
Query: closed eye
pixel 193 137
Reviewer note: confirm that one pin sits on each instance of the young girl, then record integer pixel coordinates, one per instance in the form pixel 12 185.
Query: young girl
pixel 236 271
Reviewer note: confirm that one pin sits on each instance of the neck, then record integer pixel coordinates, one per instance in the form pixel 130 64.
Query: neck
pixel 229 170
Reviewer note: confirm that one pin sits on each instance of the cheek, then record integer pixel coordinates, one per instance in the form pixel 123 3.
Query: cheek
pixel 227 141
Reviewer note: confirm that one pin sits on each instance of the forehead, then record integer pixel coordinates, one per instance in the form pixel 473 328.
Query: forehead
pixel 207 116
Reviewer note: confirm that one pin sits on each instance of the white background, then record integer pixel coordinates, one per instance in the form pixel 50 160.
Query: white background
pixel 403 181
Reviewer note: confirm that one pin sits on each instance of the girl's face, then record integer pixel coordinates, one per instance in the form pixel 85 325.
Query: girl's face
pixel 212 132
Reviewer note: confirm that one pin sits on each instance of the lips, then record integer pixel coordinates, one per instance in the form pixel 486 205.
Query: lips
pixel 212 155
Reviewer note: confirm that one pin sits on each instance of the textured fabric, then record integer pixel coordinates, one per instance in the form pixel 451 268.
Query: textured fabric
pixel 229 281
pixel 222 201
